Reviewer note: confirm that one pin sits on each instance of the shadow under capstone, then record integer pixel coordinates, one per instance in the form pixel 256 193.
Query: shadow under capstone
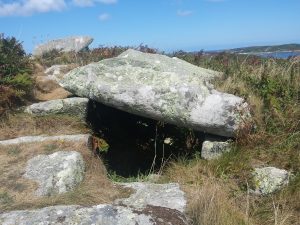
pixel 132 140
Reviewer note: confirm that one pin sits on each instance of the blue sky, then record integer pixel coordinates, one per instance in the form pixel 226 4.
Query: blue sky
pixel 165 24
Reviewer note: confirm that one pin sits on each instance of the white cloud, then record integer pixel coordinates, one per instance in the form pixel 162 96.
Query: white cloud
pixel 29 7
pixel 104 16
pixel 184 12
pixel 84 3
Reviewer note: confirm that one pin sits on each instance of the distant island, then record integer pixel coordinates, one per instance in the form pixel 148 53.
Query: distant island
pixel 266 49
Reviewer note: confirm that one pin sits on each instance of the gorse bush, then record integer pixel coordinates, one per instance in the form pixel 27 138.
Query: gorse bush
pixel 15 69
pixel 87 56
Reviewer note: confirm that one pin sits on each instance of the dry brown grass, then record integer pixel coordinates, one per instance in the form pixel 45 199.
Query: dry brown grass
pixel 210 205
pixel 58 93
pixel 216 198
pixel 210 200
pixel 18 193
pixel 23 125
pixel 46 89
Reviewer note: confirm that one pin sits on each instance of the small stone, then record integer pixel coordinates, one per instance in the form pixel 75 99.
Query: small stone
pixel 269 179
pixel 57 173
pixel 57 72
pixel 214 149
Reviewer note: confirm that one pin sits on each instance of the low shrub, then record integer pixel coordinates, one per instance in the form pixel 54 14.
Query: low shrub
pixel 15 70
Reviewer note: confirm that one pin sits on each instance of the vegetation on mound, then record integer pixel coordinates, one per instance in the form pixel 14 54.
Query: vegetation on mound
pixel 272 88
pixel 15 69
pixel 55 57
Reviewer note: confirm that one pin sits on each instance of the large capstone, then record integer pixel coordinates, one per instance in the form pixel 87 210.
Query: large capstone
pixel 68 44
pixel 57 173
pixel 161 88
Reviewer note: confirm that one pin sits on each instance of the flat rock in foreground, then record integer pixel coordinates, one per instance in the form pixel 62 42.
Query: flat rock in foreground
pixel 151 204
pixel 160 195
pixel 100 214
pixel 161 88
pixel 68 44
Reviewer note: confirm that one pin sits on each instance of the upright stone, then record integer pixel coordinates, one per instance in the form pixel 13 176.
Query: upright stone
pixel 161 88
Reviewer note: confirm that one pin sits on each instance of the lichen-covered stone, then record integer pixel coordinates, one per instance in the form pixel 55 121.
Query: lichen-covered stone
pixel 97 215
pixel 159 87
pixel 57 72
pixel 71 106
pixel 68 44
pixel 57 173
pixel 214 149
pixel 161 195
pixel 269 179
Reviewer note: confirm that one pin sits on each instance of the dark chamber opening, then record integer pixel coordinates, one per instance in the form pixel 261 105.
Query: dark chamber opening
pixel 138 145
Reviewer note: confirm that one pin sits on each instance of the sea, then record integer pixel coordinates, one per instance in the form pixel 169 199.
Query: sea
pixel 278 55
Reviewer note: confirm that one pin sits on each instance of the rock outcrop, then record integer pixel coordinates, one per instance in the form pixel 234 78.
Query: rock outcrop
pixel 151 204
pixel 214 149
pixel 71 106
pixel 57 173
pixel 67 44
pixel 269 179
pixel 161 88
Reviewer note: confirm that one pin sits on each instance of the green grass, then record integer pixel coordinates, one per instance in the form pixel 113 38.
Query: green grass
pixel 5 198
pixel 14 151
pixel 117 178
pixel 50 148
